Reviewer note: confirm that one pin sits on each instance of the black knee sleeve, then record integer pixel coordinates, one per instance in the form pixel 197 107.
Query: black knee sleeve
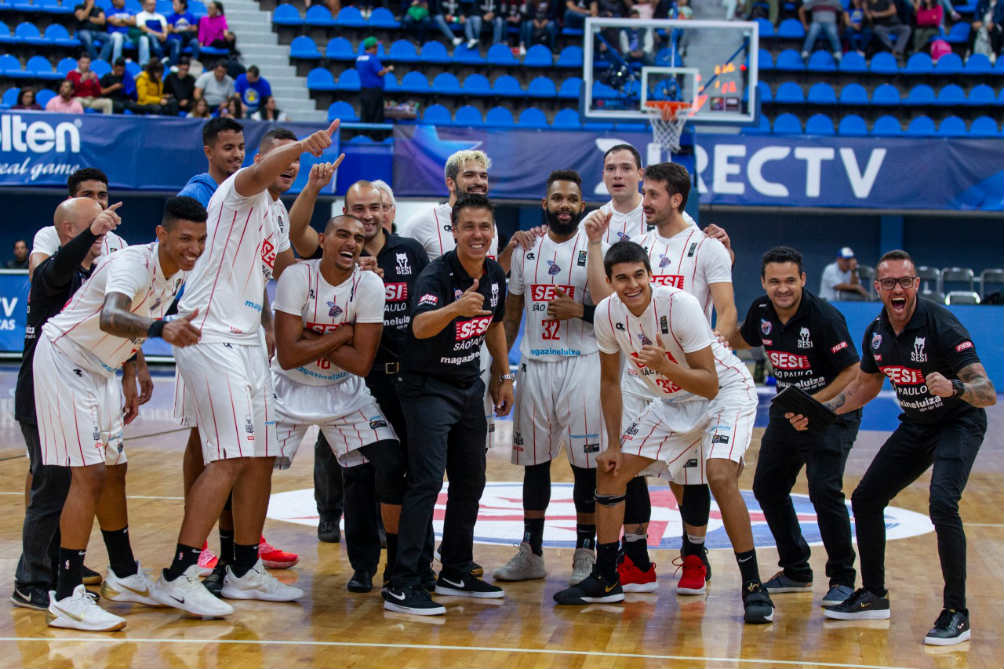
pixel 638 509
pixel 607 500
pixel 696 505
pixel 537 486
pixel 389 466
pixel 582 490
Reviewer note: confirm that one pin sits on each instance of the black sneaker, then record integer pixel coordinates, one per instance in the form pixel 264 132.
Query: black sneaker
pixel 466 585
pixel 30 597
pixel 411 600
pixel 476 569
pixel 329 532
pixel 429 580
pixel 707 563
pixel 951 627
pixel 595 589
pixel 361 581
pixel 756 602
pixel 214 582
pixel 91 577
pixel 862 605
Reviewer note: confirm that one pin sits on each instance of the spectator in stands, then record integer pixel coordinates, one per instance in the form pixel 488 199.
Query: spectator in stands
pixel 484 12
pixel 416 19
pixel 253 88
pixel 26 100
pixel 636 43
pixel 371 72
pixel 826 19
pixel 450 13
pixel 759 9
pixel 184 31
pixel 215 85
pixel 859 32
pixel 89 23
pixel 119 86
pixel 614 9
pixel 150 97
pixel 119 21
pixel 840 278
pixel 153 29
pixel 514 14
pixel 213 29
pixel 334 6
pixel 269 112
pixel 87 86
pixel 233 108
pixel 65 103
pixel 986 36
pixel 200 110
pixel 928 17
pixel 20 258
pixel 576 12
pixel 180 85
pixel 887 26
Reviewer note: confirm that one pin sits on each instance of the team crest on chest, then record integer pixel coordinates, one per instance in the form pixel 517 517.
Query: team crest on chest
pixel 663 261
pixel 334 311
pixel 402 267
pixel 553 268
pixel 623 236
pixel 765 326
pixel 804 338
pixel 919 354
pixel 876 341
pixel 645 341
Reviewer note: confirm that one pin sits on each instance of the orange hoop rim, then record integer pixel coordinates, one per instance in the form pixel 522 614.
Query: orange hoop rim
pixel 675 106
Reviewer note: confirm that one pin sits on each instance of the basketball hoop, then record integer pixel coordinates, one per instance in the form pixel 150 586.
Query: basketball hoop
pixel 668 117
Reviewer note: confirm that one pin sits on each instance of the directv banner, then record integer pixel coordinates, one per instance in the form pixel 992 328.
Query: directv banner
pixel 136 152
pixel 873 173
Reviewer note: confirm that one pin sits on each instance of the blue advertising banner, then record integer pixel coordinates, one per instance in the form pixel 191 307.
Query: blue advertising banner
pixel 873 173
pixel 136 152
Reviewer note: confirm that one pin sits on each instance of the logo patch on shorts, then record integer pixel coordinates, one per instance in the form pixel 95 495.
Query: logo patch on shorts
pixel 691 463
pixel 376 423
pixel 591 448
pixel 720 439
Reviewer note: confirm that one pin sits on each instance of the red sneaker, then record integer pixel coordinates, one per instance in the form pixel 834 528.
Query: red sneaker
pixel 273 558
pixel 634 579
pixel 207 560
pixel 693 580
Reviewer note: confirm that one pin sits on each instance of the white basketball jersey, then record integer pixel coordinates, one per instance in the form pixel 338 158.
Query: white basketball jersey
pixel 537 275
pixel 434 231
pixel 47 241
pixel 135 272
pixel 228 281
pixel 303 292
pixel 281 218
pixel 629 226
pixel 674 317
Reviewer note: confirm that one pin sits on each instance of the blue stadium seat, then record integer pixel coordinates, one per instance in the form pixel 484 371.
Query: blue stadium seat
pixel 350 17
pixel 66 65
pixel 790 29
pixel 819 124
pixel 821 61
pixel 621 126
pixel 950 63
pixel 415 82
pixel 853 94
pixel 952 126
pixel 500 54
pixel 763 92
pixel 467 56
pixel 984 126
pixel 919 63
pixel 362 139
pixel 921 94
pixel 959 34
pixel 886 126
pixel 342 110
pixel 531 117
pixel 133 68
pixel 765 60
pixel 766 28
pixel 922 126
pixel 567 119
pixel 538 55
pixel 303 48
pixel 789 61
pixel 789 92
pixel 381 17
pixel 10 97
pixel 402 51
pixel 883 63
pixel 434 52
pixel 436 114
pixel 508 86
pixel 390 84
pixel 320 79
pixel 977 64
pixel 57 34
pixel 5 36
pixel 319 16
pixel 885 94
pixel 99 67
pixel 348 80
pixel 601 90
pixel 134 6
pixel 998 66
pixel 853 62
pixel 499 117
pixel 197 7
pixel 43 96
pixel 762 127
pixel 951 95
pixel 53 7
pixel 39 67
pixel 446 83
pixel 598 126
pixel 821 94
pixel 468 116
pixel 476 84
pixel 10 66
pixel 27 33
pixel 570 56
pixel 571 88
pixel 338 48
pixel 852 125
pixel 286 15
pixel 981 94
pixel 542 87
pixel 787 124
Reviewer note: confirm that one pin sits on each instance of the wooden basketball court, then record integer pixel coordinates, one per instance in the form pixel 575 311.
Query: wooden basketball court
pixel 332 627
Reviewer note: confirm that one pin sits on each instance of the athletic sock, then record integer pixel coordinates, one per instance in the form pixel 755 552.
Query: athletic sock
pixel 606 560
pixel 636 548
pixel 120 557
pixel 692 545
pixel 184 557
pixel 533 534
pixel 245 557
pixel 585 536
pixel 748 567
pixel 226 555
pixel 71 571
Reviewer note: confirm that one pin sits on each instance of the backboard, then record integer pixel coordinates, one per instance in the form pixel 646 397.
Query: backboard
pixel 712 64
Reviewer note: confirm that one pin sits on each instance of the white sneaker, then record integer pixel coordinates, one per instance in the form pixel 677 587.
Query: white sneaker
pixel 457 41
pixel 582 565
pixel 80 612
pixel 524 566
pixel 188 594
pixel 135 588
pixel 258 584
pixel 472 43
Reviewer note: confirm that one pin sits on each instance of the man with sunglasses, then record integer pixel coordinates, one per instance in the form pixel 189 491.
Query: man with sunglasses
pixel 942 388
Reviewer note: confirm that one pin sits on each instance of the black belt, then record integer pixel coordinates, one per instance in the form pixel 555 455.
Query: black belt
pixel 388 368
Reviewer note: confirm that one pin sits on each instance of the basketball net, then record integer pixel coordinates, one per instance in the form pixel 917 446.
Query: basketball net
pixel 668 118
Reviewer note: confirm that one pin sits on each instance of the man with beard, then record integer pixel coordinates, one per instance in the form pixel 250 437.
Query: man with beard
pixel 556 402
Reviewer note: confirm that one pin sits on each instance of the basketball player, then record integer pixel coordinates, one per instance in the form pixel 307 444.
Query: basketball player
pixel 226 373
pixel 79 403
pixel 555 403
pixel 702 405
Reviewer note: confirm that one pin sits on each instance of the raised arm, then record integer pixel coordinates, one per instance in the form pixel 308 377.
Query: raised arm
pixel 256 178
pixel 303 237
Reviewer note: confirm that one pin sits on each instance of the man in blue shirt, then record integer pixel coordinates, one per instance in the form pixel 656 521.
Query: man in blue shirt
pixel 371 72
pixel 253 88
pixel 223 144
pixel 184 31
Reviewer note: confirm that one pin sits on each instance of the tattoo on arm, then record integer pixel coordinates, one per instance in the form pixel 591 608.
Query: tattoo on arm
pixel 979 390
pixel 116 318
pixel 838 401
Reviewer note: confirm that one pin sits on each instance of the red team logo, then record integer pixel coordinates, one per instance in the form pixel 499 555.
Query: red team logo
pixel 268 254
pixel 395 292
pixel 903 376
pixel 674 280
pixel 473 328
pixel 667 386
pixel 788 361
pixel 545 292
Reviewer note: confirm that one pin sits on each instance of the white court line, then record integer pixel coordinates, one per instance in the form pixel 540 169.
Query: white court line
pixel 465 649
pixel 161 497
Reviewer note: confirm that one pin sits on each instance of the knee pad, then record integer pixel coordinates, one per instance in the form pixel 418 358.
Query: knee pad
pixel 537 486
pixel 582 490
pixel 696 505
pixel 607 500
pixel 639 506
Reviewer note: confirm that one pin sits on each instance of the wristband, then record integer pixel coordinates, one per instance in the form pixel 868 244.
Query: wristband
pixel 505 377
pixel 588 311
pixel 156 328
pixel 958 388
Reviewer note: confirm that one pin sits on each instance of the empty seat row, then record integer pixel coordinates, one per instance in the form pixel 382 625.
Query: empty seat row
pixel 790 92
pixel 470 116
pixel 404 51
pixel 38 6
pixel 853 125
pixel 39 67
pixel 320 16
pixel 28 33
pixel 884 63
pixel 446 83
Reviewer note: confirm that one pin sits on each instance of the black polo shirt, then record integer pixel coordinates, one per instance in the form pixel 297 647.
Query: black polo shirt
pixel 933 341
pixel 810 350
pixel 402 259
pixel 453 354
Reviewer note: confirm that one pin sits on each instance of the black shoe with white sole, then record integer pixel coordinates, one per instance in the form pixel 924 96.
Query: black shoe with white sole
pixel 595 589
pixel 862 605
pixel 30 597
pixel 951 627
pixel 415 601
pixel 457 584
pixel 757 606
pixel 214 581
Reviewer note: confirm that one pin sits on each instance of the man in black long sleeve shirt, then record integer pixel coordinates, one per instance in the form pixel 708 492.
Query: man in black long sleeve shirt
pixel 53 283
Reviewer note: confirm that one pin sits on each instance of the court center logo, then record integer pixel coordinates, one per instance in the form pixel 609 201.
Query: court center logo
pixel 500 518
